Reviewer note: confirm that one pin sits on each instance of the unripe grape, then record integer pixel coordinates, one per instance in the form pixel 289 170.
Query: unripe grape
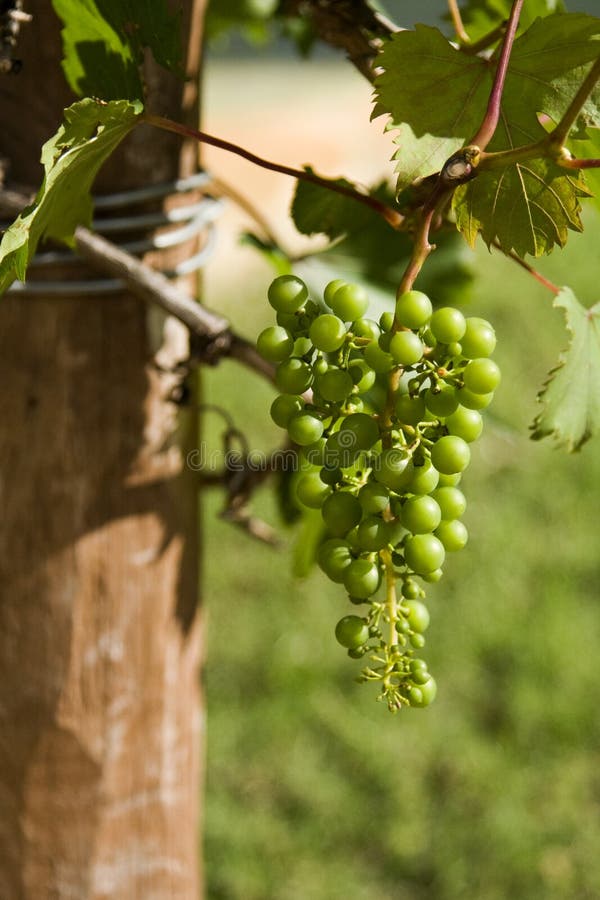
pixel 305 429
pixel 362 578
pixel 335 385
pixel 351 632
pixel 410 410
pixel 331 288
pixel 451 501
pixel 417 615
pixel 465 423
pixel 423 552
pixel 453 535
pixel 386 321
pixel 427 693
pixel 421 479
pixel 341 512
pixel 450 455
pixel 303 347
pixel 441 402
pixel 380 361
pixel 366 328
pixel 359 430
pixel 361 374
pixel 287 293
pixel 413 309
pixel 293 376
pixel 311 491
pixel 389 468
pixel 350 302
pixel 471 400
pixel 373 497
pixel 410 589
pixel 479 338
pixel 284 407
pixel 334 557
pixel 421 514
pixel 331 475
pixel 406 348
pixel 275 343
pixel 327 333
pixel 448 324
pixel 481 376
pixel 372 534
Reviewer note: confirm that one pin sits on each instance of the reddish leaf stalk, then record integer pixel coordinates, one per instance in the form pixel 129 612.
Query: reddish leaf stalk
pixel 458 22
pixel 392 216
pixel 492 114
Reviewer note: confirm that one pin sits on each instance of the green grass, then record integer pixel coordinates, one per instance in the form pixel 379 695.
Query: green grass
pixel 314 791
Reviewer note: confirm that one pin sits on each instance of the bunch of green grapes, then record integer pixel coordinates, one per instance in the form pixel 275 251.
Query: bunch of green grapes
pixel 383 414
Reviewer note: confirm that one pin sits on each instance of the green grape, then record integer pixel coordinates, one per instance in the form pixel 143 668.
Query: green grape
pixel 479 338
pixel 418 671
pixel 378 360
pixel 275 343
pixel 331 288
pixel 417 615
pixel 385 339
pixel 305 429
pixel 406 348
pixel 303 347
pixel 366 328
pixel 289 321
pixel 410 589
pixel 293 376
pixel 481 376
pixel 334 556
pixel 455 349
pixel 334 385
pixel 426 695
pixel 331 475
pixel 451 501
pixel 442 401
pixel 350 302
pixel 386 321
pixel 452 534
pixel 448 324
pixel 450 455
pixel 433 577
pixel 352 632
pixel 362 578
pixel 314 454
pixel 449 480
pixel 311 491
pixel 341 451
pixel 410 410
pixel 465 423
pixel 287 293
pixel 389 468
pixel 341 512
pixel 284 407
pixel 421 514
pixel 373 534
pixel 362 376
pixel 327 333
pixel 413 309
pixel 320 366
pixel 373 497
pixel 417 640
pixel 359 431
pixel 421 479
pixel 423 552
pixel 471 400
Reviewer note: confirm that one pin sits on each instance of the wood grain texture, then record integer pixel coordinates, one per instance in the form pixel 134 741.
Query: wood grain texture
pixel 100 633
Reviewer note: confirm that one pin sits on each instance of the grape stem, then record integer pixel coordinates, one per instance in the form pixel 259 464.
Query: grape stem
pixel 392 216
pixel 458 22
pixel 391 600
pixel 489 124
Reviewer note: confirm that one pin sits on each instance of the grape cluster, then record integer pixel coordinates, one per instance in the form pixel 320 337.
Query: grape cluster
pixel 384 414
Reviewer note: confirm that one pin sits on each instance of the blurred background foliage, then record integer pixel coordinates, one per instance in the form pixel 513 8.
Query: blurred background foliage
pixel 314 791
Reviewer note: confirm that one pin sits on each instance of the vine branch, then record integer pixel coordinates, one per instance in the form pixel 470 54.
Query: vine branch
pixel 492 115
pixel 392 216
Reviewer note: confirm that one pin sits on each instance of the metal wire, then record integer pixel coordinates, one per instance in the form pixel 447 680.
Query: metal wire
pixel 196 218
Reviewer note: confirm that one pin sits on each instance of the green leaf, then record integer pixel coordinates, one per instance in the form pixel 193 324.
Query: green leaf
pixel 71 160
pixel 318 210
pixel 527 207
pixel 590 149
pixel 104 41
pixel 437 97
pixel 571 395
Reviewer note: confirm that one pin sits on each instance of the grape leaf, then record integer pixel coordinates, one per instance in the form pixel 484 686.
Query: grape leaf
pixel 318 210
pixel 527 207
pixel 71 158
pixel 571 395
pixel 104 40
pixel 437 96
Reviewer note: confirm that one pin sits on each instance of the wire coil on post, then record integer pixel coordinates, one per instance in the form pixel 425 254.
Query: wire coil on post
pixel 186 222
